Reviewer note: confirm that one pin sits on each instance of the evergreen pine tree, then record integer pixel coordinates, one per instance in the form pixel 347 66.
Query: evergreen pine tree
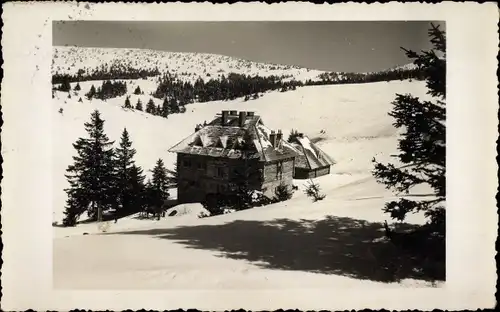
pixel 282 192
pixel 137 189
pixel 160 179
pixel 129 179
pixel 422 146
pixel 173 106
pixel 77 87
pixel 172 176
pixel 92 92
pixel 127 103
pixel 159 187
pixel 294 134
pixel 65 85
pixel 313 190
pixel 150 107
pixel 137 91
pixel 165 109
pixel 91 176
pixel 138 106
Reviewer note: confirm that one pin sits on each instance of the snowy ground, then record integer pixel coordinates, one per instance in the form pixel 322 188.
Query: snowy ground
pixel 332 243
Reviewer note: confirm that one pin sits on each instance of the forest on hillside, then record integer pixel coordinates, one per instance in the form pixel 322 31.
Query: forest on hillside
pixel 175 92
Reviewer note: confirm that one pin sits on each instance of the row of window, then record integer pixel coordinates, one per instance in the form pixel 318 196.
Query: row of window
pixel 188 163
pixel 208 186
pixel 221 171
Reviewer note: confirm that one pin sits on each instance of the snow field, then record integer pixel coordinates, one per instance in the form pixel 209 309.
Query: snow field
pixel 250 249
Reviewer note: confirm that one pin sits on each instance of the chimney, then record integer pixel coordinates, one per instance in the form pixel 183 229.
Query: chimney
pixel 224 117
pixel 233 113
pixel 272 138
pixel 250 114
pixel 242 119
pixel 279 136
pixel 198 127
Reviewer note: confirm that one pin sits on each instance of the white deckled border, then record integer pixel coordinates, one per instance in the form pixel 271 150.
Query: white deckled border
pixel 472 105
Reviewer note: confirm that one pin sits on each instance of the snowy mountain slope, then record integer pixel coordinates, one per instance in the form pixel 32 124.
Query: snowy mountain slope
pixel 350 120
pixel 285 245
pixel 188 66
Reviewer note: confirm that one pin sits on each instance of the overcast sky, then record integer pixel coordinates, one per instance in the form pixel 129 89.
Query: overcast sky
pixel 333 46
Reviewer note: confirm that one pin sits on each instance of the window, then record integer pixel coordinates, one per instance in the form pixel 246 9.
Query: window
pixel 279 170
pixel 186 163
pixel 200 165
pixel 220 172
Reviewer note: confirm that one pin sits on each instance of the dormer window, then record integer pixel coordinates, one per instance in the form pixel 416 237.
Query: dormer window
pixel 218 143
pixel 198 142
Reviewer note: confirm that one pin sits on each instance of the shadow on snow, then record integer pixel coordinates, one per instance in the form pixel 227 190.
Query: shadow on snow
pixel 334 245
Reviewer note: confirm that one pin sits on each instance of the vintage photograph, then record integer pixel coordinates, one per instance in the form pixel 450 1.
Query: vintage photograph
pixel 261 155
pixel 264 157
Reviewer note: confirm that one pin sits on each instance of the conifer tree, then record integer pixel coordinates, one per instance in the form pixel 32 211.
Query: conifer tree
pixel 165 110
pixel 137 188
pixel 77 87
pixel 313 191
pixel 158 188
pixel 92 92
pixel 65 85
pixel 127 103
pixel 150 107
pixel 138 106
pixel 91 176
pixel 137 91
pixel 129 178
pixel 422 149
pixel 282 192
pixel 173 106
pixel 172 176
pixel 160 179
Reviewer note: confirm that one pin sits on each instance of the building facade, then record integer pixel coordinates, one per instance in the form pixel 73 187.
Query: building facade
pixel 312 162
pixel 214 158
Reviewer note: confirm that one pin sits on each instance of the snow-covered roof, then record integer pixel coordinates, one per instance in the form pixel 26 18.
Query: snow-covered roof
pixel 225 141
pixel 311 156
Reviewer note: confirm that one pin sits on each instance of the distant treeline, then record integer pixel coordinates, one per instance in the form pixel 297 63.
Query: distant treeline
pixel 224 88
pixel 108 90
pixel 172 89
pixel 347 78
pixel 114 72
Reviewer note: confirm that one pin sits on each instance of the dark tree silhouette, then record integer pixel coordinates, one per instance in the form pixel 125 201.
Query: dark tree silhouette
pixel 91 176
pixel 127 103
pixel 129 178
pixel 138 106
pixel 422 146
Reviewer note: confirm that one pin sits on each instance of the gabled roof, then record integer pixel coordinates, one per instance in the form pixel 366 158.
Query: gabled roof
pixel 311 156
pixel 225 141
pixel 281 151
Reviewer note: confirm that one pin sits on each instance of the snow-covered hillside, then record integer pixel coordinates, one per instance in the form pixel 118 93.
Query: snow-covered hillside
pixel 290 244
pixel 187 66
